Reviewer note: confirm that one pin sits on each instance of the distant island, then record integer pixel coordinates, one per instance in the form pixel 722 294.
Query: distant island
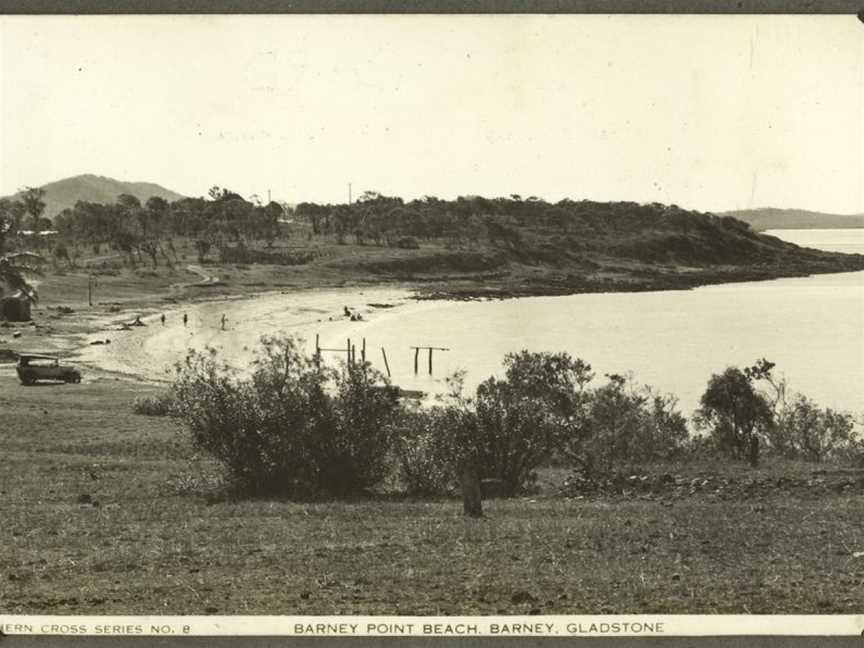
pixel 767 218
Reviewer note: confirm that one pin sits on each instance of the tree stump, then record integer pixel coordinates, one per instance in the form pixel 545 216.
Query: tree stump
pixel 753 452
pixel 469 482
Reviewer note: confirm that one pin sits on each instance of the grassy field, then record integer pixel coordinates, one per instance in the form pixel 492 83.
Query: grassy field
pixel 107 512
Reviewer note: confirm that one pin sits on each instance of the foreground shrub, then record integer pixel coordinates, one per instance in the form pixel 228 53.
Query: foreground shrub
pixel 511 426
pixel 426 464
pixel 621 425
pixel 736 415
pixel 293 428
pixel 514 433
pixel 804 430
pixel 158 405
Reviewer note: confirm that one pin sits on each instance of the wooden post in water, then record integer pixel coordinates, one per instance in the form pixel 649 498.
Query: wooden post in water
pixel 363 351
pixel 317 350
pixel 417 356
pixel 349 351
pixel 386 365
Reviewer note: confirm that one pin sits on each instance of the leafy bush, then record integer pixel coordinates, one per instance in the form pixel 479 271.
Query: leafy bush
pixel 512 425
pixel 293 428
pixel 804 430
pixel 426 466
pixel 621 425
pixel 735 413
pixel 355 443
pixel 514 433
pixel 159 405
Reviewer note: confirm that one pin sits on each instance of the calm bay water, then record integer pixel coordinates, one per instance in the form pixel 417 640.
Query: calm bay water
pixel 812 328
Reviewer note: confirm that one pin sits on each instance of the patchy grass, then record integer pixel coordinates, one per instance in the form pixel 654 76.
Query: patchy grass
pixel 108 512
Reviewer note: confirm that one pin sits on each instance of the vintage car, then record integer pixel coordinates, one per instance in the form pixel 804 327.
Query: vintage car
pixel 33 366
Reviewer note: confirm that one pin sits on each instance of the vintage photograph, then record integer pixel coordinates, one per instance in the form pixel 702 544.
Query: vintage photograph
pixel 431 315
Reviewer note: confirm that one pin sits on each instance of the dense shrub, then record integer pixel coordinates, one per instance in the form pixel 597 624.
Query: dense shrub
pixel 510 426
pixel 514 433
pixel 806 431
pixel 162 404
pixel 426 465
pixel 736 415
pixel 293 428
pixel 540 410
pixel 620 425
pixel 354 445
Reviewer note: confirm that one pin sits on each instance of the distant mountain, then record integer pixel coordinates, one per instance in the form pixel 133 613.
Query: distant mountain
pixel 65 193
pixel 771 218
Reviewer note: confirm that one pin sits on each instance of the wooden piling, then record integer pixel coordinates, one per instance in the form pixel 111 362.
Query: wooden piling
pixel 386 365
pixel 348 347
pixel 363 351
pixel 417 356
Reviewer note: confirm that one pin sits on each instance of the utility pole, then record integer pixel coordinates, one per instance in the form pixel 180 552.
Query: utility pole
pixel 349 193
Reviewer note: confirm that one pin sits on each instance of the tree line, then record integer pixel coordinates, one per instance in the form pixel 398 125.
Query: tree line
pixel 150 229
pixel 224 218
pixel 469 219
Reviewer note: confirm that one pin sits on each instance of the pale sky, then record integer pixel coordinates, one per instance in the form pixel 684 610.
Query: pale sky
pixel 708 112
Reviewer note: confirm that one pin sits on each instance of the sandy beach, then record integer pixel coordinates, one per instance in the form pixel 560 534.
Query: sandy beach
pixel 149 352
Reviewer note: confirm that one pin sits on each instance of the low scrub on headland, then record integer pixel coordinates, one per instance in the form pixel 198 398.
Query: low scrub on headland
pixel 469 246
pixel 295 428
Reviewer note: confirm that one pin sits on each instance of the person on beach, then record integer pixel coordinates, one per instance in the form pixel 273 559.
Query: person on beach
pixel 347 311
pixel 185 319
pixel 162 319
pixel 223 321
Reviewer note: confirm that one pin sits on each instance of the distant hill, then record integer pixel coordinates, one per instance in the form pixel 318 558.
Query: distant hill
pixel 65 193
pixel 771 218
